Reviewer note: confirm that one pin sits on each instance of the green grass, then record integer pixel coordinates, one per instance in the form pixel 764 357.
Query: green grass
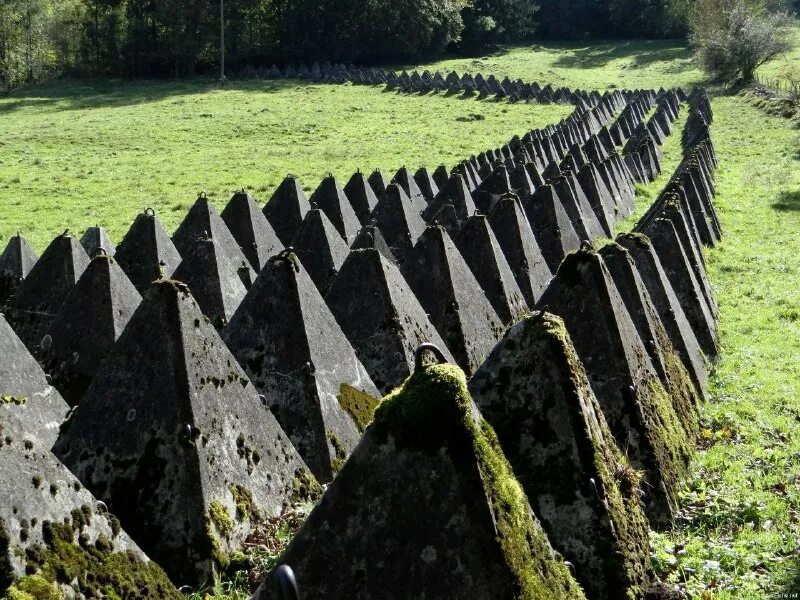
pixel 74 154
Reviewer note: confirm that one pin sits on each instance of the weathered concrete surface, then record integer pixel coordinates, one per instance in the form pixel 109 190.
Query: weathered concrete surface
pixel 25 395
pixel 426 183
pixel 251 230
pixel 519 245
pixel 635 404
pixel 580 212
pixel 320 248
pixel 457 193
pixel 362 197
pixel 16 262
pixel 453 298
pixel 426 507
pixel 405 180
pixel 371 237
pixel 146 253
pixel 379 182
pixel 286 209
pixel 599 197
pixel 331 199
pixel 87 326
pixel 42 292
pixel 381 317
pixel 95 238
pixel 551 226
pixel 667 306
pixel 214 280
pixel 534 392
pixel 482 253
pixel 172 436
pixel 56 540
pixel 399 223
pixel 294 351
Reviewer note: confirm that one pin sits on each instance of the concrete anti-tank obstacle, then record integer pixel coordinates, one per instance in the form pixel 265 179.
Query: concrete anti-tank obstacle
pixel 406 180
pixel 331 199
pixel 202 222
pixel 379 182
pixel 83 333
pixel 400 225
pixel 42 292
pixel 441 176
pixel 513 232
pixel 58 541
pixel 146 253
pixel 580 212
pixel 173 437
pixel 26 397
pixel 484 256
pixel 214 280
pixel 555 436
pixel 251 230
pixel 551 225
pixel 96 238
pixel 381 317
pixel 452 297
pixel 320 248
pixel 686 397
pixel 16 262
pixel 371 237
pixel 635 404
pixel 286 209
pixel 361 196
pixel 456 193
pixel 427 185
pixel 599 198
pixel 428 437
pixel 297 357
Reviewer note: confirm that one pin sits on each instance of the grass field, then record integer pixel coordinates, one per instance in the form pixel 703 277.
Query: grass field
pixel 75 153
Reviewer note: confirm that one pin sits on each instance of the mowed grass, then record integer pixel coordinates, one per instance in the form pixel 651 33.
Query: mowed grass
pixel 73 154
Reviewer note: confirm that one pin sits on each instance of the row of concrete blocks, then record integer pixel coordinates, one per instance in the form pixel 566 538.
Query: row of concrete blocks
pixel 156 324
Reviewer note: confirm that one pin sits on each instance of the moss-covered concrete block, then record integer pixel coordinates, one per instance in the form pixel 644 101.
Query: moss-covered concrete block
pixel 16 262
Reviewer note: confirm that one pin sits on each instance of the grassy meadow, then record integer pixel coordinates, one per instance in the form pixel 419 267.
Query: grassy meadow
pixel 76 153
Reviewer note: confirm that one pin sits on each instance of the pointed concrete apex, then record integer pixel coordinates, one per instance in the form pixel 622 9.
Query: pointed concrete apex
pixel 379 182
pixel 25 395
pixel 380 316
pixel 405 179
pixel 534 392
pixel 320 248
pixel 146 253
pixel 453 298
pixel 16 262
pixel 456 193
pixel 427 186
pixel 330 197
pixel 427 453
pixel 171 435
pixel 400 225
pixel 636 405
pixel 580 212
pixel 551 225
pixel 213 279
pixel 286 209
pixel 519 245
pixel 42 292
pixel 371 237
pixel 96 238
pixel 294 351
pixel 251 230
pixel 361 195
pixel 88 325
pixel 441 176
pixel 481 251
pixel 599 198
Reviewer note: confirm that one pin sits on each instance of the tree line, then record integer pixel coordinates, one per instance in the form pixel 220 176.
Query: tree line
pixel 177 38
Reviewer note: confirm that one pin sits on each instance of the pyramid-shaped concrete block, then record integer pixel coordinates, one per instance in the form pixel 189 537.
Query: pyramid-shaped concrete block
pixel 286 209
pixel 58 540
pixel 361 195
pixel 555 436
pixel 202 222
pixel 90 321
pixel 16 262
pixel 484 256
pixel 330 197
pixel 379 532
pixel 667 306
pixel 380 316
pixel 636 406
pixel 146 253
pixel 599 198
pixel 400 225
pixel 427 185
pixel 406 180
pixel 371 237
pixel 251 230
pixel 520 247
pixel 173 437
pixel 214 280
pixel 453 298
pixel 551 225
pixel 580 212
pixel 295 353
pixel 26 397
pixel 457 193
pixel 320 248
pixel 686 398
pixel 379 182
pixel 41 294
pixel 441 176
pixel 95 240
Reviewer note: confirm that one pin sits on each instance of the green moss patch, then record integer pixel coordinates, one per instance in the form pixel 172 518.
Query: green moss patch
pixel 340 454
pixel 220 517
pixel 245 505
pixel 305 488
pixel 18 400
pixel 359 405
pixel 33 587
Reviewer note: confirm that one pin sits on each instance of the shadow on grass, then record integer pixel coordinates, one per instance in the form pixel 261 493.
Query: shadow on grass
pixel 643 53
pixel 787 201
pixel 77 94
pixel 789 584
